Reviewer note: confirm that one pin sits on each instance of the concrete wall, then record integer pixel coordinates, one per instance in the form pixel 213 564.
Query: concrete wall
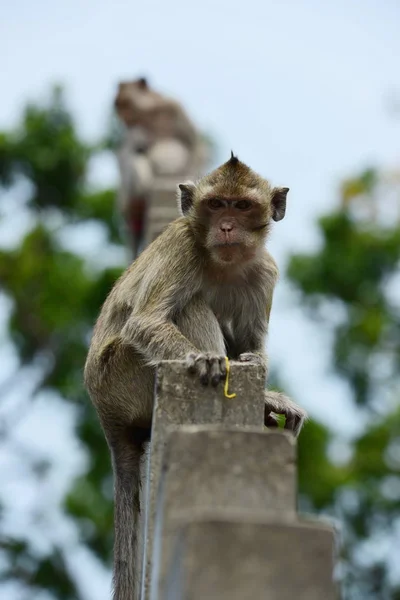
pixel 221 520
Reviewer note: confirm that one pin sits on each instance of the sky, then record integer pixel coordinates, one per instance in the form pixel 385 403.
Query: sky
pixel 298 89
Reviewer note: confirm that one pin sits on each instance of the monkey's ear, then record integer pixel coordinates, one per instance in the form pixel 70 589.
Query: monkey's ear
pixel 278 202
pixel 185 197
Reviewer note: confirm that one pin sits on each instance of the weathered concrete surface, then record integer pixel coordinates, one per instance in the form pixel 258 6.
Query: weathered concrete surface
pixel 164 194
pixel 180 399
pixel 257 559
pixel 162 208
pixel 231 468
pixel 162 215
pixel 207 467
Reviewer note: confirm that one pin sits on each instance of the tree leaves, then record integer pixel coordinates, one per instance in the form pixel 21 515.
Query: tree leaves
pixel 353 269
pixel 55 300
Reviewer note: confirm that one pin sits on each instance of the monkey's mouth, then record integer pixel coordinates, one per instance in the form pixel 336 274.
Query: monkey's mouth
pixel 227 252
pixel 219 245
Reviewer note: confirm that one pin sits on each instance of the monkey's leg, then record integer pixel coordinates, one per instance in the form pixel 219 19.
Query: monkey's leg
pixel 282 405
pixel 199 325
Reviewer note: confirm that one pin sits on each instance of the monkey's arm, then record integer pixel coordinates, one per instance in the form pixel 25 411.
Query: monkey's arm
pixel 167 281
pixel 156 337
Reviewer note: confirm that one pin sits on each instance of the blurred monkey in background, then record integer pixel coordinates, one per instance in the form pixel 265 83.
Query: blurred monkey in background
pixel 160 141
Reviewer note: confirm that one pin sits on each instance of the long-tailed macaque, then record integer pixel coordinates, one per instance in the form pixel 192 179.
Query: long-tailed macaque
pixel 202 290
pixel 160 140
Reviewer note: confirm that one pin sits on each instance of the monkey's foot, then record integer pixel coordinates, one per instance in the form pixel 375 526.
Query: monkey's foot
pixel 208 366
pixel 257 358
pixel 282 405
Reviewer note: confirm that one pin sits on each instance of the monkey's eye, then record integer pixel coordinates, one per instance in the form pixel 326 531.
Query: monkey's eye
pixel 215 203
pixel 243 204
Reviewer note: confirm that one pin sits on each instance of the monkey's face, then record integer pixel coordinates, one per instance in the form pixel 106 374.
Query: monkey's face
pixel 235 227
pixel 230 211
pixel 134 100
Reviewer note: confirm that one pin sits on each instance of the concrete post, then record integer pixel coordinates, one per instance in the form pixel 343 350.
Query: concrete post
pixel 162 208
pixel 221 518
pixel 213 468
pixel 228 558
pixel 180 400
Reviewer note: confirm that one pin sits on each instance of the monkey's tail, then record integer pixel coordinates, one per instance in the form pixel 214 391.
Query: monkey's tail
pixel 127 513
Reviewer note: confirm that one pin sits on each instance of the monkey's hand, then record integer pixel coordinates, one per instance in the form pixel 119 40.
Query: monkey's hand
pixel 256 357
pixel 208 366
pixel 282 405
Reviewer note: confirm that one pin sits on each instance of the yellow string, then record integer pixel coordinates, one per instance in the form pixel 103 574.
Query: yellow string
pixel 227 380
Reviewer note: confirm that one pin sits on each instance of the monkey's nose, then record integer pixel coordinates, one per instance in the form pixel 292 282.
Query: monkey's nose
pixel 226 227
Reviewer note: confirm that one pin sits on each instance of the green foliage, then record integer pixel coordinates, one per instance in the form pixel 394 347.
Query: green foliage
pixel 346 287
pixel 50 574
pixel 46 151
pixel 353 268
pixel 319 479
pixel 55 300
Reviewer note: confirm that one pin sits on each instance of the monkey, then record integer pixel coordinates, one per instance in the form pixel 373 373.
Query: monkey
pixel 159 116
pixel 160 140
pixel 201 291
